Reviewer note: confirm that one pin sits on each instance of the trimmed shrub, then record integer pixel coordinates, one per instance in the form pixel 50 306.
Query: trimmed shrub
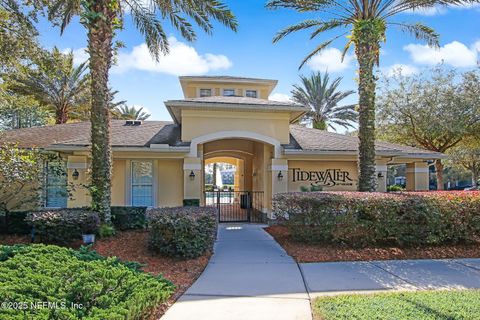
pixel 63 226
pixel 128 218
pixel 395 187
pixel 182 232
pixel 100 288
pixel 14 222
pixel 105 231
pixel 360 219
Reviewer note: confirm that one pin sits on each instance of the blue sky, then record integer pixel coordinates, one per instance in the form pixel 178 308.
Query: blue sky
pixel 250 52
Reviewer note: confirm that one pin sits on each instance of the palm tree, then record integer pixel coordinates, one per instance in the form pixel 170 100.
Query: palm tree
pixel 365 23
pixel 131 113
pixel 323 97
pixel 54 82
pixel 102 18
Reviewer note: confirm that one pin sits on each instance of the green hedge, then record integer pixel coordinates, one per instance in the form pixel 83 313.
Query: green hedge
pixel 127 218
pixel 63 226
pixel 14 223
pixel 104 287
pixel 360 219
pixel 182 232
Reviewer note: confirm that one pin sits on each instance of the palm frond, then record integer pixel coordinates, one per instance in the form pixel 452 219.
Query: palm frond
pixel 64 11
pixel 296 27
pixel 299 5
pixel 321 94
pixel 329 25
pixel 420 32
pixel 318 49
pixel 148 25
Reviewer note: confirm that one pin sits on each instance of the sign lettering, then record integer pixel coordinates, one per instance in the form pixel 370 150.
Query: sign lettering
pixel 327 177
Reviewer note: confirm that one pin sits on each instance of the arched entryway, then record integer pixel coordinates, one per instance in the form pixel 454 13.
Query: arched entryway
pixel 235 178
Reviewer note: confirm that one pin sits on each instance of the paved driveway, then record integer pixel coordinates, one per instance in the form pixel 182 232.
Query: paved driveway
pixel 337 277
pixel 249 277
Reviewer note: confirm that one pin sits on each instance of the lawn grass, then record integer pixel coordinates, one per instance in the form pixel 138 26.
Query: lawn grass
pixel 420 305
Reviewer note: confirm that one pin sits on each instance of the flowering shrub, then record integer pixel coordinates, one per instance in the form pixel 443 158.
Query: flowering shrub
pixel 359 219
pixel 81 284
pixel 182 232
pixel 64 225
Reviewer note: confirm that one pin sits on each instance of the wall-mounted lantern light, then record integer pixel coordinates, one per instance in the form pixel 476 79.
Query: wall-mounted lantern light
pixel 380 175
pixel 75 174
pixel 280 176
pixel 192 175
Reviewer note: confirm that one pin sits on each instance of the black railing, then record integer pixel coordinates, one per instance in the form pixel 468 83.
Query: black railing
pixel 237 206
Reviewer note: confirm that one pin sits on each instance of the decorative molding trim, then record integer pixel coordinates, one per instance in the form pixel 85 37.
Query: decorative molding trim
pixel 277 167
pixel 417 170
pixel 76 165
pixel 234 134
pixel 192 166
pixel 381 168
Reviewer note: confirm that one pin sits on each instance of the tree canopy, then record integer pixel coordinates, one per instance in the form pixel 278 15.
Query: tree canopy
pixel 322 96
pixel 434 111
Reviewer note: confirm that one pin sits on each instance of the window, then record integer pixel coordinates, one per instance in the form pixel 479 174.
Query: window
pixel 142 183
pixel 56 194
pixel 228 92
pixel 251 93
pixel 205 92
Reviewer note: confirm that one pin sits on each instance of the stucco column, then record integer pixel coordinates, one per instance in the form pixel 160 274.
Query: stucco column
pixel 239 183
pixel 417 176
pixel 80 195
pixel 192 183
pixel 381 175
pixel 279 183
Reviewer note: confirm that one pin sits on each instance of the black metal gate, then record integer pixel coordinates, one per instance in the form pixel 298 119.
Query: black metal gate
pixel 237 206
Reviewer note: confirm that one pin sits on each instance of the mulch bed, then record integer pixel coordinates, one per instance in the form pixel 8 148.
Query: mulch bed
pixel 132 246
pixel 12 239
pixel 302 252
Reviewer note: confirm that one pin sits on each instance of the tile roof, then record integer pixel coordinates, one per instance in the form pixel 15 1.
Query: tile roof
pixel 165 132
pixel 232 78
pixel 238 101
pixel 309 139
pixel 78 134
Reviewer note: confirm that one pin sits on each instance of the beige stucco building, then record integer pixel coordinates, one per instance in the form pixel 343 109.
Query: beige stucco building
pixel 220 120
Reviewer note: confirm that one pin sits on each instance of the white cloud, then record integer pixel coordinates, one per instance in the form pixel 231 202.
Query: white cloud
pixel 398 68
pixel 439 10
pixel 80 55
pixel 277 96
pixel 138 106
pixel 431 11
pixel 454 53
pixel 182 60
pixel 330 59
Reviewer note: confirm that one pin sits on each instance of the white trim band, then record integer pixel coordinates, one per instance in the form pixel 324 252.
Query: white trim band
pixel 381 168
pixel 418 170
pixel 192 166
pixel 76 165
pixel 279 167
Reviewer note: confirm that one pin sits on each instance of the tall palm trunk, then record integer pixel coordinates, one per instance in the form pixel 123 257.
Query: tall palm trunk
pixel 61 115
pixel 439 173
pixel 100 39
pixel 366 131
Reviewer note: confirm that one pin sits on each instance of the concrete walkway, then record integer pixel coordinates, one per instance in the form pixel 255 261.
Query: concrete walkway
pixel 340 277
pixel 249 277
